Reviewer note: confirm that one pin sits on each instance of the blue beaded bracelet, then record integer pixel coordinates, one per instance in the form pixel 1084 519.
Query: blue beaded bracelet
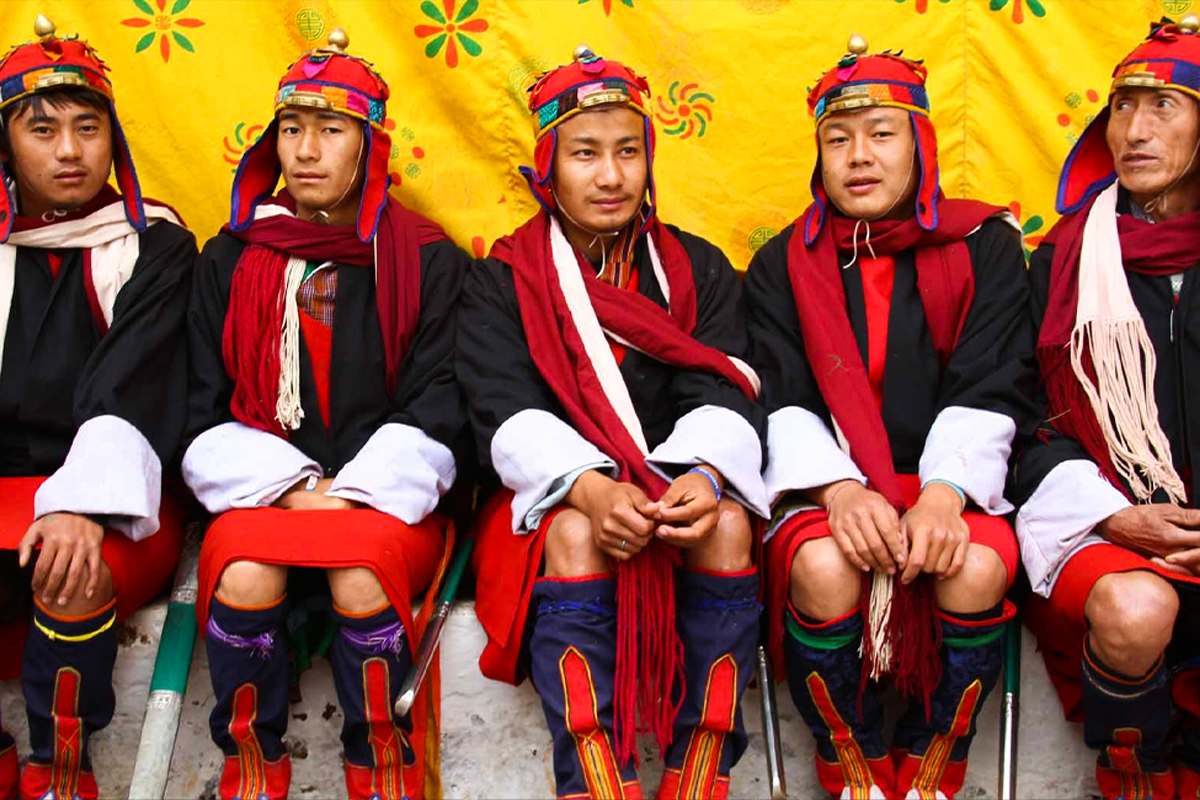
pixel 711 479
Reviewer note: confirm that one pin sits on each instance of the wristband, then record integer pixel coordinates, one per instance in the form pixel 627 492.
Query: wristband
pixel 711 479
pixel 312 483
pixel 961 494
pixel 840 489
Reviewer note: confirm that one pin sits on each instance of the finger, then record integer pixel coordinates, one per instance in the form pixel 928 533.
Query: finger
pixel 74 573
pixel 62 559
pixel 1185 558
pixel 860 545
pixel 690 536
pixel 888 526
pixel 628 518
pixel 878 548
pixel 25 547
pixel 93 564
pixel 616 552
pixel 916 556
pixel 847 546
pixel 673 495
pixel 41 568
pixel 945 557
pixel 1186 517
pixel 692 510
pixel 1172 567
pixel 960 558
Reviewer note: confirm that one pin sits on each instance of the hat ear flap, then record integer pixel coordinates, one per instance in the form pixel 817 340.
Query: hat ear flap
pixel 376 182
pixel 257 176
pixel 1089 167
pixel 815 219
pixel 127 179
pixel 538 176
pixel 925 147
pixel 8 205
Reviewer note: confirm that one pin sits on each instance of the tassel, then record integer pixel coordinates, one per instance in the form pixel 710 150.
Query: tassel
pixel 288 409
pixel 876 645
pixel 903 638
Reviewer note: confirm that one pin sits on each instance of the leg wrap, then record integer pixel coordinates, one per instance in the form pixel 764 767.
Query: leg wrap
pixel 718 623
pixel 1127 720
pixel 8 765
pixel 824 669
pixel 573 651
pixel 247 661
pixel 370 658
pixel 931 753
pixel 66 678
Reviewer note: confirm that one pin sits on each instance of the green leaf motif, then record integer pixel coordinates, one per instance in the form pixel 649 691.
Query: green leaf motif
pixel 432 11
pixel 470 45
pixel 469 8
pixel 628 3
pixel 180 5
pixel 144 7
pixel 182 41
pixel 144 42
pixel 435 45
pixel 996 5
pixel 1037 8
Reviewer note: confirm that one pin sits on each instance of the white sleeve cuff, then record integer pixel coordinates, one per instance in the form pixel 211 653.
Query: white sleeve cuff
pixel 558 491
pixel 969 447
pixel 802 454
pixel 1069 502
pixel 532 450
pixel 236 466
pixel 111 470
pixel 723 438
pixel 400 471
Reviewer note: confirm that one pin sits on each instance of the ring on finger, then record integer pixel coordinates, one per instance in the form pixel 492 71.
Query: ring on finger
pixel 623 543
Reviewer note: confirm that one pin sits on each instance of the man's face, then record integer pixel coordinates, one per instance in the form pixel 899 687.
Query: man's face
pixel 1152 134
pixel 867 162
pixel 321 153
pixel 600 171
pixel 61 157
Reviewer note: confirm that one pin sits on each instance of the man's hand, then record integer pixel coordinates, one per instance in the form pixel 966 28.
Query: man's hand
pixel 687 512
pixel 1163 531
pixel 864 525
pixel 938 534
pixel 70 548
pixel 620 513
pixel 298 498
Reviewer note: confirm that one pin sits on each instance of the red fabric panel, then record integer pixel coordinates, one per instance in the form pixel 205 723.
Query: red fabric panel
pixel 878 278
pixel 404 557
pixel 318 339
pixel 89 289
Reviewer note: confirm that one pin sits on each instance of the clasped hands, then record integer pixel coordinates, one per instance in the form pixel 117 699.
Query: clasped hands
pixel 624 520
pixel 1163 532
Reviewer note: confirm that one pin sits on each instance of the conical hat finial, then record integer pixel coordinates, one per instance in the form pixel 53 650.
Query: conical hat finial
pixel 1190 23
pixel 339 40
pixel 42 26
pixel 582 52
pixel 857 44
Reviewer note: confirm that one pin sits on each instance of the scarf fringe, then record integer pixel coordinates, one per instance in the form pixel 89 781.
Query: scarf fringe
pixel 1122 399
pixel 289 412
pixel 903 637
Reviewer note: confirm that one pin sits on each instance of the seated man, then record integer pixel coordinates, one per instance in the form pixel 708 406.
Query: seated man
pixel 93 298
pixel 890 330
pixel 596 347
pixel 1107 532
pixel 322 337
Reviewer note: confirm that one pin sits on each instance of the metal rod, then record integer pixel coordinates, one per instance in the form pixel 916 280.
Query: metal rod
pixel 776 780
pixel 169 681
pixel 1010 713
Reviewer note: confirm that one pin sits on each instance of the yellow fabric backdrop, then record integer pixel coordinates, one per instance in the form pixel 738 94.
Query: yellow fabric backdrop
pixel 1012 83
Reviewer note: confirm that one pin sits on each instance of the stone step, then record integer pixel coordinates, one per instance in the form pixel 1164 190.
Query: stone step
pixel 494 738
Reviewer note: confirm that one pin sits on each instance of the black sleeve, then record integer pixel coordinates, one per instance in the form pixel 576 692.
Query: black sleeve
pixel 721 325
pixel 776 344
pixel 210 388
pixel 427 394
pixel 138 372
pixel 992 367
pixel 492 360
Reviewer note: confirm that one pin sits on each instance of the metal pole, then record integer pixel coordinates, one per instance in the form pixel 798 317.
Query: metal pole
pixel 1010 713
pixel 169 682
pixel 776 780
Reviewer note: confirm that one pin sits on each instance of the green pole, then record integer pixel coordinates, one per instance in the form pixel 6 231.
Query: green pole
pixel 1010 711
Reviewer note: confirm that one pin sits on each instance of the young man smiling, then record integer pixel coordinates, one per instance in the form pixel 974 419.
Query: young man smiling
pixel 1109 533
pixel 598 349
pixel 93 293
pixel 890 331
pixel 323 407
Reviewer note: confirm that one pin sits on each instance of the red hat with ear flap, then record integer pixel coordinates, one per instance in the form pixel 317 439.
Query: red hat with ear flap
pixel 51 63
pixel 880 79
pixel 1169 58
pixel 326 79
pixel 587 82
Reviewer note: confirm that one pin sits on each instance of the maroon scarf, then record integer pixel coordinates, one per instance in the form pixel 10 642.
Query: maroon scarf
pixel 1162 248
pixel 947 286
pixel 649 654
pixel 254 322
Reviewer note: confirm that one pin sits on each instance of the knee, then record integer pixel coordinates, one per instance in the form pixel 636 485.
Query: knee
pixel 356 590
pixel 730 547
pixel 248 583
pixel 979 586
pixel 570 549
pixel 1132 615
pixel 823 583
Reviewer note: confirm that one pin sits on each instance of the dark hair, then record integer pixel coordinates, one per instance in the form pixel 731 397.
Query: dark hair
pixel 57 98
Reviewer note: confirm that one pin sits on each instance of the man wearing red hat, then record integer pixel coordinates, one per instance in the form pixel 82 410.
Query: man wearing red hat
pixel 889 327
pixel 323 410
pixel 1108 531
pixel 93 297
pixel 598 348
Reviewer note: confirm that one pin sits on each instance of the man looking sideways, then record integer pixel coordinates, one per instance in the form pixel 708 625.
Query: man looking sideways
pixel 889 327
pixel 597 348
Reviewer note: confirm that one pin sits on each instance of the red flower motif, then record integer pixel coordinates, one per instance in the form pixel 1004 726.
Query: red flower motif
pixel 162 24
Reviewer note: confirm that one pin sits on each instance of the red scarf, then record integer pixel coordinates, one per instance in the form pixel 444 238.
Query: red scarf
pixel 1163 248
pixel 254 322
pixel 649 652
pixel 947 286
